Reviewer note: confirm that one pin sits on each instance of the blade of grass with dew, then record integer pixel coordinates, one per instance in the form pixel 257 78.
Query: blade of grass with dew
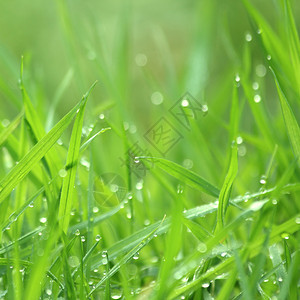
pixel 288 289
pixel 35 123
pixel 69 290
pixel 190 263
pixel 15 215
pixel 275 255
pixel 127 257
pixel 6 132
pixel 226 265
pixel 173 243
pixel 201 211
pixel 65 204
pixel 188 177
pixel 292 40
pixel 233 163
pixel 9 182
pixel 86 144
pixel 247 293
pixel 42 263
pixel 20 196
pixel 90 227
pixel 274 45
pixel 291 123
pixel 226 188
pixel 98 219
pixel 85 258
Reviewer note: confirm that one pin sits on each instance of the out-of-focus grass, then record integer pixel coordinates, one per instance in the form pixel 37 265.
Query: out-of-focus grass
pixel 143 197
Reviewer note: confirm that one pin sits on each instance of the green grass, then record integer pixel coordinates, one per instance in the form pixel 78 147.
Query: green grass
pixel 96 205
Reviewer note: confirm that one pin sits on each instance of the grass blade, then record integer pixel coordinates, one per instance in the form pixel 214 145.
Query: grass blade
pixel 65 204
pixel 190 178
pixel 289 119
pixel 9 182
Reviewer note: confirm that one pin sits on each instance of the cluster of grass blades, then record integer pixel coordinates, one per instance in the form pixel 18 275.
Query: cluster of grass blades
pixel 69 230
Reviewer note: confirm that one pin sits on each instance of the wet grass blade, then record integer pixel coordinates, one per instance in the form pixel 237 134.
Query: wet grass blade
pixel 6 132
pixel 127 257
pixel 186 176
pixel 289 119
pixel 9 182
pixel 65 204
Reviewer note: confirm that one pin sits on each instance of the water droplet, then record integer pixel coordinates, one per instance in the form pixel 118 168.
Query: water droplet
pixel 179 189
pixel 98 238
pixel 31 204
pixel 147 222
pixel 223 254
pixel 297 220
pixel 285 236
pixel 136 160
pixel 259 31
pixel 255 86
pixel 242 150
pixel 84 162
pixel 157 98
pixel 62 173
pixel 136 256
pixel 128 215
pixel 261 70
pixel 202 248
pixel 43 220
pixel 126 126
pixel 280 279
pixel 101 116
pixel 96 270
pixel 48 292
pixel 129 196
pixel 188 163
pixel 205 285
pixel 95 209
pixel 274 201
pixel 132 129
pixel 59 142
pixel 257 98
pixel 40 233
pixel 185 103
pixel 269 57
pixel 139 185
pixel 114 188
pixel 237 78
pixel 73 261
pixel 5 123
pixel 204 108
pixel 248 37
pixel 255 206
pixel 263 179
pixel 82 238
pixel 77 111
pixel 77 232
pixel 104 257
pixel 141 59
pixel 116 295
pixel 177 275
pixel 239 140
